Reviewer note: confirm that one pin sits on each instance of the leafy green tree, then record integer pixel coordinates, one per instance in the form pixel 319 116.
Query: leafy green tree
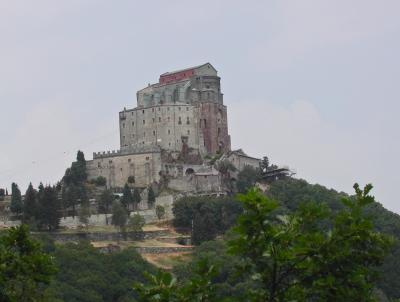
pixel 16 205
pixel 48 208
pixel 127 198
pixel 119 216
pixel 105 201
pixel 136 223
pixel 164 287
pixel 30 209
pixel 136 199
pixel 206 217
pixel 294 257
pixel 151 197
pixel 160 212
pixel 25 271
pixel 85 274
pixel 204 227
pixel 247 178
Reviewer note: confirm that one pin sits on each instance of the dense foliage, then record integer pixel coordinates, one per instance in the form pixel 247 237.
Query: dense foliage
pixel 206 217
pixel 292 191
pixel 25 269
pixel 87 275
pixel 310 254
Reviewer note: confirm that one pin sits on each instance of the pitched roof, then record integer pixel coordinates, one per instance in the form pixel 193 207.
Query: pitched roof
pixel 189 68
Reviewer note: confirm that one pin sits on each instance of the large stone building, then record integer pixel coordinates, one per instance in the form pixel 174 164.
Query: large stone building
pixel 176 124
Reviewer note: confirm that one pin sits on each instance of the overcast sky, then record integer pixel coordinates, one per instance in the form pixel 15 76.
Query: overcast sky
pixel 312 84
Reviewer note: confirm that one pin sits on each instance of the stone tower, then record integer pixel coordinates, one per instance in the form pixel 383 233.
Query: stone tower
pixel 185 108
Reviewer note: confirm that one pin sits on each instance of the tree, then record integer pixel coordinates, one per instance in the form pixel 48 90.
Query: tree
pixel 136 198
pixel 127 197
pixel 225 167
pixel 30 205
pixel 206 217
pixel 106 200
pixel 247 178
pixel 119 216
pixel 49 209
pixel 2 194
pixel 131 179
pixel 136 223
pixel 151 197
pixel 99 181
pixel 160 212
pixel 25 270
pixel 295 257
pixel 164 287
pixel 84 214
pixel 264 164
pixel 16 205
pixel 310 254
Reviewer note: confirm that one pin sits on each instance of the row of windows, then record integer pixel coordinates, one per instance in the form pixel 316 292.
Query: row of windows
pixel 159 109
pixel 154 133
pixel 159 120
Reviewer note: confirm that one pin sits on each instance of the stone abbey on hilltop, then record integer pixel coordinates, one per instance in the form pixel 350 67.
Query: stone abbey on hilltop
pixel 177 125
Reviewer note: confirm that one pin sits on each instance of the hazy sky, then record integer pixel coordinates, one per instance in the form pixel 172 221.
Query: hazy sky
pixel 312 84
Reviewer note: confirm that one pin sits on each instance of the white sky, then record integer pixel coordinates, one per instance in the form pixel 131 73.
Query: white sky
pixel 312 84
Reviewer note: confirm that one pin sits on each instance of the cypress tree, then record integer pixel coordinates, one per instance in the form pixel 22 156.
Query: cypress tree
pixel 16 205
pixel 50 212
pixel 127 198
pixel 151 197
pixel 136 198
pixel 30 204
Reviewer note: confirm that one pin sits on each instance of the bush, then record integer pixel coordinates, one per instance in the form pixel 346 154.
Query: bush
pixel 100 181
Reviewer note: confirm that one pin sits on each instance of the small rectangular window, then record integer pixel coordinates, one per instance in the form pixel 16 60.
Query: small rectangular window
pixel 133 123
pixel 143 111
pixel 144 122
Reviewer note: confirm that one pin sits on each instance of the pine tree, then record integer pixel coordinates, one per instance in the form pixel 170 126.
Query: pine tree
pixel 136 198
pixel 151 197
pixel 16 205
pixel 30 204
